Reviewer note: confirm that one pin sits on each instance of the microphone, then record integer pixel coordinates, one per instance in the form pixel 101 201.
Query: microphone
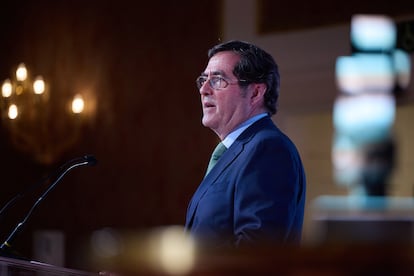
pixel 90 158
pixel 86 160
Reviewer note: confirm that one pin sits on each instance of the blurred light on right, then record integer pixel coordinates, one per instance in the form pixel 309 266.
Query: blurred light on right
pixel 402 67
pixel 364 146
pixel 347 161
pixel 366 117
pixel 373 33
pixel 365 73
pixel 365 111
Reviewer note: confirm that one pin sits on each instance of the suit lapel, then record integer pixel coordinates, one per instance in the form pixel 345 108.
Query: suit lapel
pixel 228 157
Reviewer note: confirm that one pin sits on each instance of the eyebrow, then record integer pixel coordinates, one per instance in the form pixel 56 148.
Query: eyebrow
pixel 214 73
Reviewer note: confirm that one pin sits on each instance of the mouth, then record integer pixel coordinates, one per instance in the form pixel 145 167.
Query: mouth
pixel 208 105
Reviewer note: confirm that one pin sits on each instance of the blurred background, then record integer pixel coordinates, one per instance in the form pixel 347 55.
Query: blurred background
pixel 119 83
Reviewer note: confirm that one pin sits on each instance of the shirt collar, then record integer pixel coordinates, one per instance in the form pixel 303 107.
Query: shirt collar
pixel 232 136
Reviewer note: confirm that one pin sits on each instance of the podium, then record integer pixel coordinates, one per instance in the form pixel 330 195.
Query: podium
pixel 15 267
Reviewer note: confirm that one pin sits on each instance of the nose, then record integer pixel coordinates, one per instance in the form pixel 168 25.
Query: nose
pixel 205 89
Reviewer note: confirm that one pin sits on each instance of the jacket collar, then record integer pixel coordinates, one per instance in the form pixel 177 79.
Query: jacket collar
pixel 226 160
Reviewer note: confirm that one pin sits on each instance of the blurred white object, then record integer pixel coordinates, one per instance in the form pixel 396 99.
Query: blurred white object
pixel 373 33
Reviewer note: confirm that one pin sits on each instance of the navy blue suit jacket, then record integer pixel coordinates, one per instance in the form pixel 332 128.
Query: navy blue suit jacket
pixel 255 193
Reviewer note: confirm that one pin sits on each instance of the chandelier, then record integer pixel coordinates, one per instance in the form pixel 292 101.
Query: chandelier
pixel 39 123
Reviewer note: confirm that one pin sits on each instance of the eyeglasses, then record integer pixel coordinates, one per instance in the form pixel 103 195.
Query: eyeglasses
pixel 215 82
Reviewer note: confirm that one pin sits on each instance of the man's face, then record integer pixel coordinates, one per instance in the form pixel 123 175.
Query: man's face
pixel 224 108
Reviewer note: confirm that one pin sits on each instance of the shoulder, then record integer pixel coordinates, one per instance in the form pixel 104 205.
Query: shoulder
pixel 264 138
pixel 265 131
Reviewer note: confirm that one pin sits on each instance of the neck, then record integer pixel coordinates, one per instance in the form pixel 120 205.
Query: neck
pixel 244 123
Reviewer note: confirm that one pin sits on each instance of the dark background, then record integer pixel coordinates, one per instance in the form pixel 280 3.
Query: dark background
pixel 138 61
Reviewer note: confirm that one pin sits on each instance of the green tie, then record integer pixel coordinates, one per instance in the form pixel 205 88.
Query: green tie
pixel 217 153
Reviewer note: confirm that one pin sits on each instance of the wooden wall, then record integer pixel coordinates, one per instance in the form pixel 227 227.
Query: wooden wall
pixel 139 61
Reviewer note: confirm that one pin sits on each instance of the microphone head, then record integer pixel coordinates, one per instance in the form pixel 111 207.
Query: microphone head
pixel 90 159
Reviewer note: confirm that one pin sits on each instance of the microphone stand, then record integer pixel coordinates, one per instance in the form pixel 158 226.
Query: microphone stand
pixel 13 200
pixel 6 247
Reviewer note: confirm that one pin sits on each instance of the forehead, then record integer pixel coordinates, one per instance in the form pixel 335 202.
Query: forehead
pixel 222 63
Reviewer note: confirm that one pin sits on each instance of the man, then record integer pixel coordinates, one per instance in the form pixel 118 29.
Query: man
pixel 256 191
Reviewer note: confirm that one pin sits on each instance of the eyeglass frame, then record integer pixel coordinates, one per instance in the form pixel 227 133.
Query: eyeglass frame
pixel 211 78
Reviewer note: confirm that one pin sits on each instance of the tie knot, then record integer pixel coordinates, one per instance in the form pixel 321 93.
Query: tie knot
pixel 215 156
pixel 218 151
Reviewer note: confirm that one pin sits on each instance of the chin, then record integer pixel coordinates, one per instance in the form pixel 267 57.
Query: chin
pixel 206 122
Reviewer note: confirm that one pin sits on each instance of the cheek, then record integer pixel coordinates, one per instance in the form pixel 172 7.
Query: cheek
pixel 226 104
pixel 232 106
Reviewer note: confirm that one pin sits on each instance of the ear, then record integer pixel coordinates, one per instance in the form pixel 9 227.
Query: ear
pixel 257 96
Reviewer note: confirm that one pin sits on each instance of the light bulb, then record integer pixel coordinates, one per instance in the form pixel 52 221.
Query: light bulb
pixel 13 112
pixel 78 104
pixel 39 85
pixel 21 72
pixel 6 89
